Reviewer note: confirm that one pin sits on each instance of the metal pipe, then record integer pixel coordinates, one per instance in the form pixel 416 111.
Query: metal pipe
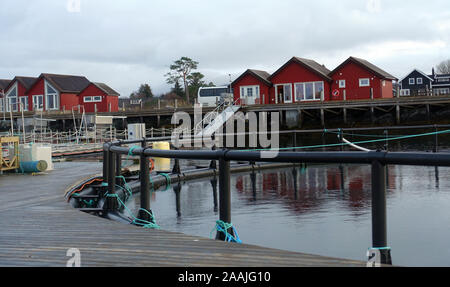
pixel 224 196
pixel 379 221
pixel 144 176
pixel 111 173
pixel 403 158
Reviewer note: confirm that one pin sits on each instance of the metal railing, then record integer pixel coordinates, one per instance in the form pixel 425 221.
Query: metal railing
pixel 378 160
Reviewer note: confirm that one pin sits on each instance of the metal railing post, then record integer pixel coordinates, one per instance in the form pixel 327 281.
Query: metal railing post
pixel 105 166
pixel 111 172
pixel 118 166
pixel 144 177
pixel 379 222
pixel 224 196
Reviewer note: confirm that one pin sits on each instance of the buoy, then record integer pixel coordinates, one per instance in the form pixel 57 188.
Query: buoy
pixel 33 166
pixel 162 164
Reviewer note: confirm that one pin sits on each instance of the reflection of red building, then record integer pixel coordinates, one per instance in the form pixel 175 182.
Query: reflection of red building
pixel 313 184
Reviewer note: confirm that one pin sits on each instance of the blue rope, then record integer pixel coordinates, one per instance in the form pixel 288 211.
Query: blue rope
pixel 137 221
pixel 168 180
pixel 223 227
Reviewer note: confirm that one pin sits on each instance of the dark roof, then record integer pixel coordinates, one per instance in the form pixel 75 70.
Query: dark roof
pixel 66 83
pixel 262 75
pixel 367 65
pixel 311 65
pixel 27 82
pixel 4 84
pixel 107 89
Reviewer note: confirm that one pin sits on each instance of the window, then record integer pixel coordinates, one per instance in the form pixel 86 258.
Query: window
pixel 11 99
pixel 419 81
pixel 383 83
pixel 249 91
pixel 341 84
pixel 24 103
pixel 404 92
pixel 51 97
pixel 309 91
pixel 411 81
pixel 299 92
pixel 364 82
pixel 97 99
pixel 38 102
pixel 443 79
pixel 1 104
pixel 87 99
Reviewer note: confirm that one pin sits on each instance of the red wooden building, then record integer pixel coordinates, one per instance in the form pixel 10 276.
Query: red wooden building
pixel 99 97
pixel 305 80
pixel 52 92
pixel 358 79
pixel 16 98
pixel 252 87
pixel 300 80
pixel 3 85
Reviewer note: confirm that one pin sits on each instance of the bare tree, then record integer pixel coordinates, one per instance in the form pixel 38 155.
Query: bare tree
pixel 443 67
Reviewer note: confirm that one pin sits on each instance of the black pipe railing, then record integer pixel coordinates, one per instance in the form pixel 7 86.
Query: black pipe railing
pixel 377 159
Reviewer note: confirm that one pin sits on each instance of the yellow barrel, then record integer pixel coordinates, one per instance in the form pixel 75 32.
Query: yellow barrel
pixel 161 164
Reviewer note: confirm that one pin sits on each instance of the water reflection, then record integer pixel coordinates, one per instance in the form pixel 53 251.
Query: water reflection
pixel 307 189
pixel 321 210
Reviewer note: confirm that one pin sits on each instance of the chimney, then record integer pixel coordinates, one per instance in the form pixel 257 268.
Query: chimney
pixel 432 71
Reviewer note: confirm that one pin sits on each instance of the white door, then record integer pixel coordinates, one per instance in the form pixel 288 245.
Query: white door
pixel 38 102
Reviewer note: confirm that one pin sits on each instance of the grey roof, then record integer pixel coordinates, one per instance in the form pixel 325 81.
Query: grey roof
pixel 27 82
pixel 4 83
pixel 262 75
pixel 311 65
pixel 369 66
pixel 67 83
pixel 107 89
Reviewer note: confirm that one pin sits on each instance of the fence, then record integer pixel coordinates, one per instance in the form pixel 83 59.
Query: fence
pixel 378 160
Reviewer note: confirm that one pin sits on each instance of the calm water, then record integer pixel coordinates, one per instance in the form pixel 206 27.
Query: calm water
pixel 314 211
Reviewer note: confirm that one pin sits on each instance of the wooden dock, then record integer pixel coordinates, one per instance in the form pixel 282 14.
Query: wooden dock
pixel 37 227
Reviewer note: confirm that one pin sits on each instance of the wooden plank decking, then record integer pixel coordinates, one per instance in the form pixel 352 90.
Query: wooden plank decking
pixel 37 227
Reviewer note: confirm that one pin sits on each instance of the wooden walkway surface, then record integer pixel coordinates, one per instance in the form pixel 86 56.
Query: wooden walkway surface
pixel 37 227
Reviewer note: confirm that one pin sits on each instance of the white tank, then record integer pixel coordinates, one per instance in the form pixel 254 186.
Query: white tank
pixel 36 152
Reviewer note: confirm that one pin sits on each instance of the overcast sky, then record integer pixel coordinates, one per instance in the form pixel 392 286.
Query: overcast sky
pixel 129 42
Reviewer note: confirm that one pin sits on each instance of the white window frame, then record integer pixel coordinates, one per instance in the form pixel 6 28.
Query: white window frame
pixel 314 91
pixel 405 92
pixel 341 84
pixel 54 95
pixel 35 103
pixel 87 99
pixel 284 94
pixel 254 94
pixel 8 98
pixel 412 81
pixel 25 103
pixel 419 81
pixel 97 100
pixel 364 85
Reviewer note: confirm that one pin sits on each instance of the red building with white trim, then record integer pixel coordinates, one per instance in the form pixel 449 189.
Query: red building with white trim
pixel 301 80
pixel 55 92
pixel 99 97
pixel 356 79
pixel 16 98
pixel 305 80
